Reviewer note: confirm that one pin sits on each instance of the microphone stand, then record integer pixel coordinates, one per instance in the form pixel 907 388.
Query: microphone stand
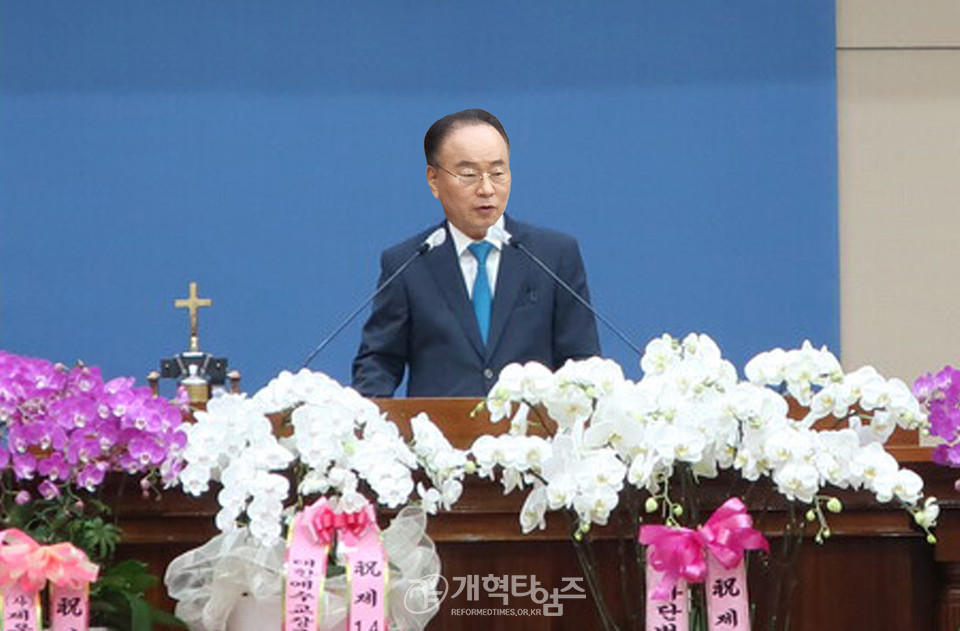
pixel 424 247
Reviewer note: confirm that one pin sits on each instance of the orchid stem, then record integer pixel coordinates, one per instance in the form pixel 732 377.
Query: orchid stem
pixel 582 547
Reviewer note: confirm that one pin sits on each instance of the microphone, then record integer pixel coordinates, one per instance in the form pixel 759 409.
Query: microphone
pixel 436 238
pixel 499 233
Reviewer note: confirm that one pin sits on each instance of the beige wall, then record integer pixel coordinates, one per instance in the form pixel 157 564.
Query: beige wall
pixel 898 108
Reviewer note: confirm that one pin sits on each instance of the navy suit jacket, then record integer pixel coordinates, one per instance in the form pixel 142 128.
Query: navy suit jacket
pixel 425 321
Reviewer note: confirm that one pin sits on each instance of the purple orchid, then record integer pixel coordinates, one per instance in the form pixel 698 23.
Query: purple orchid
pixel 24 466
pixel 48 490
pixel 940 393
pixel 91 476
pixel 70 427
pixel 55 467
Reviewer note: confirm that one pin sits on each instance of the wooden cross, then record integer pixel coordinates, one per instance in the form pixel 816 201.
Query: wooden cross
pixel 193 303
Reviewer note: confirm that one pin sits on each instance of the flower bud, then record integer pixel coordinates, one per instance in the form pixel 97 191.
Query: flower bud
pixel 651 505
pixel 22 498
pixel 834 505
pixel 470 467
pixel 931 539
pixel 677 510
pixel 811 515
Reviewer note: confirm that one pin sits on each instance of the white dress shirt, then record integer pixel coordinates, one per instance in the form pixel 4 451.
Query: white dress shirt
pixel 468 263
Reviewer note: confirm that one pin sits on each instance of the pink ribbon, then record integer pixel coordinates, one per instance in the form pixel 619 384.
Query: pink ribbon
pixel 670 612
pixel 25 562
pixel 355 526
pixel 319 521
pixel 306 569
pixel 312 536
pixel 16 567
pixel 679 553
pixel 26 567
pixel 325 522
pixel 729 532
pixel 676 553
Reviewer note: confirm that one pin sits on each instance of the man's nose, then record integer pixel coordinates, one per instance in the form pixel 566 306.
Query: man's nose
pixel 486 185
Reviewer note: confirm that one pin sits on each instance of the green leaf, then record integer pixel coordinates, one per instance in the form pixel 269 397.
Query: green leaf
pixel 140 618
pixel 167 619
pixel 129 576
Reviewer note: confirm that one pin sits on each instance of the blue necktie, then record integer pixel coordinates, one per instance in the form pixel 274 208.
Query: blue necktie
pixel 481 287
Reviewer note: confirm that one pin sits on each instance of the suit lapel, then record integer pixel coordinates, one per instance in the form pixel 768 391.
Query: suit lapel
pixel 510 279
pixel 443 264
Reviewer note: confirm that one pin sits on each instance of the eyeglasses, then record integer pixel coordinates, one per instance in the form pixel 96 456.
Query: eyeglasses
pixel 469 178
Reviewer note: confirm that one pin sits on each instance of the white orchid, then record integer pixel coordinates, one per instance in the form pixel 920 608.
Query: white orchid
pixel 659 355
pixel 339 440
pixel 926 515
pixel 691 411
pixel 233 442
pixel 797 480
pixel 533 513
pixel 530 382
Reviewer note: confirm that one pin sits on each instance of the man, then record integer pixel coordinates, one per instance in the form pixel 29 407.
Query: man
pixel 472 304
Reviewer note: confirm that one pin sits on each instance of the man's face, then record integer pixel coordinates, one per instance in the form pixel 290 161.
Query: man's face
pixel 473 178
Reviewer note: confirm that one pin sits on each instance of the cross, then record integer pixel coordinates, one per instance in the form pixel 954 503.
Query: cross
pixel 193 303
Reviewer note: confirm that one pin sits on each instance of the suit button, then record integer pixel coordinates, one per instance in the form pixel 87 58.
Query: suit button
pixel 488 373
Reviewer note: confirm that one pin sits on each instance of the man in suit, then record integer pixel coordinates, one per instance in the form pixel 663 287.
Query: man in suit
pixel 464 309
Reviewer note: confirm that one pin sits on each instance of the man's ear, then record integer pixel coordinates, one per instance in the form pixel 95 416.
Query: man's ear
pixel 432 175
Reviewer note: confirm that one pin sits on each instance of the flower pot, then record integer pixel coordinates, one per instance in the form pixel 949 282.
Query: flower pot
pixel 250 614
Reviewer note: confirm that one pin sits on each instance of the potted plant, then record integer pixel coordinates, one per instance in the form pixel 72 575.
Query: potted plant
pixel 64 430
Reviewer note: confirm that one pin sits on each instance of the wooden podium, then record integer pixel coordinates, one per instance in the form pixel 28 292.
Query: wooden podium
pixel 877 572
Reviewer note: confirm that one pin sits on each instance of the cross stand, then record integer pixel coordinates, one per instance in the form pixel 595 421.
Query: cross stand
pixel 199 372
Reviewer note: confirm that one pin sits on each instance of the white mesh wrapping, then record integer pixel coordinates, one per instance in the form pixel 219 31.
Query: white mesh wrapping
pixel 232 573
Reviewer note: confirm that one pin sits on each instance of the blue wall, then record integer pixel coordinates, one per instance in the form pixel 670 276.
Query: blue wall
pixel 270 150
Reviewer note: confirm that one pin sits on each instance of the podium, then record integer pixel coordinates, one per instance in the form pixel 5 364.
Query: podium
pixel 876 572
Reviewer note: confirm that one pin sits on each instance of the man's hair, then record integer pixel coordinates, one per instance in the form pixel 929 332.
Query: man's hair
pixel 443 127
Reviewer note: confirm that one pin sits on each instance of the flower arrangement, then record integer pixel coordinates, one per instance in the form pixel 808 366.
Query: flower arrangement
pixel 689 418
pixel 940 394
pixel 338 450
pixel 337 443
pixel 64 429
pixel 67 427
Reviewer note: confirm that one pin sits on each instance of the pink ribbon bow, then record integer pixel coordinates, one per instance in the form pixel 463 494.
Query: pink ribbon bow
pixel 729 532
pixel 26 563
pixel 65 565
pixel 319 521
pixel 323 522
pixel 678 553
pixel 353 526
pixel 16 567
